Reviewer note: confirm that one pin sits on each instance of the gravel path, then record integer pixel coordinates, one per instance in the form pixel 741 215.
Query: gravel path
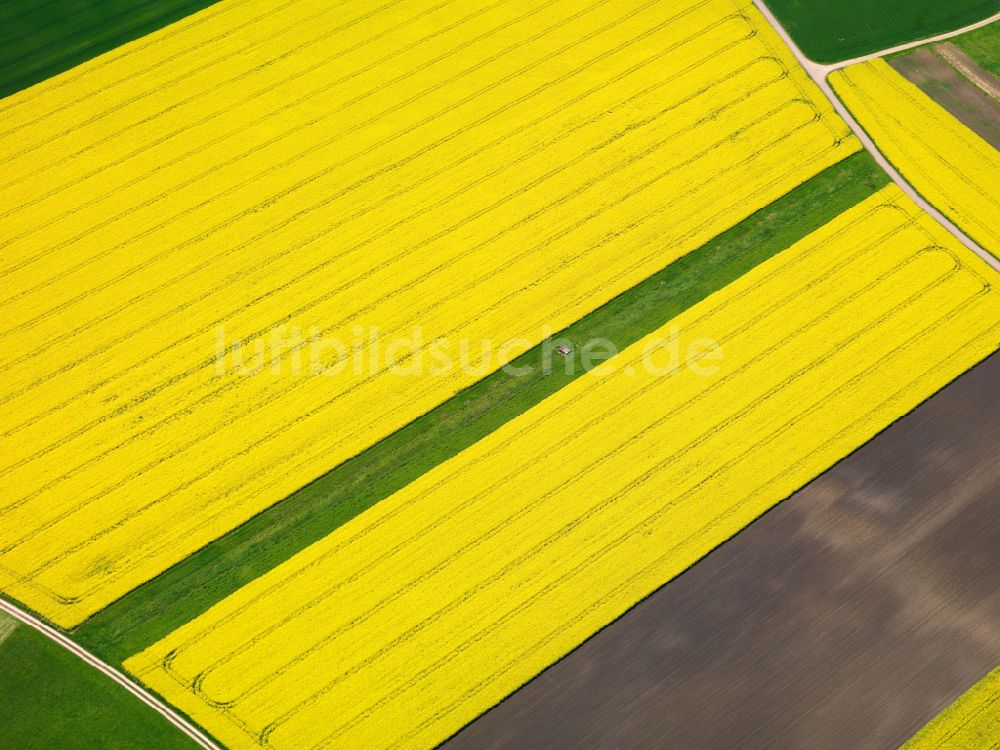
pixel 819 75
pixel 183 725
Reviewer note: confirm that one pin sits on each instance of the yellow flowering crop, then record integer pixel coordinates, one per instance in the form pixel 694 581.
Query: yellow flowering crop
pixel 951 166
pixel 971 723
pixel 267 171
pixel 416 616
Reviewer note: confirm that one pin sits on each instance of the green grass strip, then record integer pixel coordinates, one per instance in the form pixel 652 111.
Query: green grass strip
pixel 41 38
pixel 195 584
pixel 49 699
pixel 983 46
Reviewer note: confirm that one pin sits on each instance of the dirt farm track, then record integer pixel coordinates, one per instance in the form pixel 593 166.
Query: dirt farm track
pixel 848 616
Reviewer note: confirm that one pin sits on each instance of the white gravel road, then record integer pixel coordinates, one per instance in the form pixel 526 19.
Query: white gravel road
pixel 819 74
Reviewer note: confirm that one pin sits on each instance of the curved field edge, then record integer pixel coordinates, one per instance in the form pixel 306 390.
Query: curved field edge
pixel 49 698
pixel 231 661
pixel 191 587
pixel 43 39
pixel 971 721
pixel 966 198
pixel 671 640
pixel 859 27
pixel 157 460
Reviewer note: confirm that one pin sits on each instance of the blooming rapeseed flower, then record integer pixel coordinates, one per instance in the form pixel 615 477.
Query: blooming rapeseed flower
pixel 421 613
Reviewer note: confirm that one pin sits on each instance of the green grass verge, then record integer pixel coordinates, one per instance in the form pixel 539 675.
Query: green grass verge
pixel 842 29
pixel 983 46
pixel 50 699
pixel 193 585
pixel 40 38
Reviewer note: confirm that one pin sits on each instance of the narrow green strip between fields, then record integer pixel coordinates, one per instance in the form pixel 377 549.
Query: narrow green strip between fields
pixel 51 699
pixel 983 46
pixel 41 38
pixel 192 586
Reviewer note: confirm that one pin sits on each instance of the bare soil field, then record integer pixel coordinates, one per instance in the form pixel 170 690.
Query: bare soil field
pixel 964 98
pixel 848 616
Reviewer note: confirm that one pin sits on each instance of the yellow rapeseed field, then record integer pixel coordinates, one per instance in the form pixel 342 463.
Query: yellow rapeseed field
pixel 416 616
pixel 265 172
pixel 951 166
pixel 971 723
